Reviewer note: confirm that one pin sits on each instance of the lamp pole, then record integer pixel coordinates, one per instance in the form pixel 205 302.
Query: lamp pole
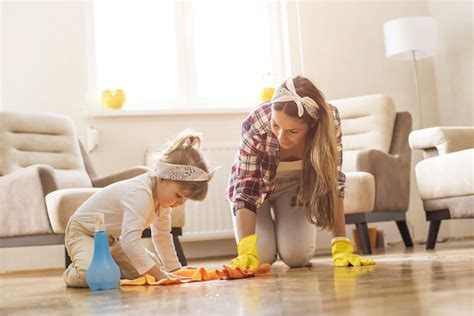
pixel 418 97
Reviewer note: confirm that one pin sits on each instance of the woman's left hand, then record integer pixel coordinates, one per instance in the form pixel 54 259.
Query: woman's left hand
pixel 342 254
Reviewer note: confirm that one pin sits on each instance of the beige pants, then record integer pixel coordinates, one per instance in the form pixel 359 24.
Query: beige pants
pixel 80 247
pixel 284 229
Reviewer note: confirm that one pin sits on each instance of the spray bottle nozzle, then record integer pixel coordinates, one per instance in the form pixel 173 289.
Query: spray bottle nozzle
pixel 99 221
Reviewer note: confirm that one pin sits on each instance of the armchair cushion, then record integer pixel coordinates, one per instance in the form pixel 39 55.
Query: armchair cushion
pixel 442 140
pixel 360 193
pixel 446 176
pixel 61 204
pixel 366 122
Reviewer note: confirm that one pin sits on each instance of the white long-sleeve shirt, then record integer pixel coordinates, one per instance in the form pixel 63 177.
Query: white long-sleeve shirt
pixel 128 209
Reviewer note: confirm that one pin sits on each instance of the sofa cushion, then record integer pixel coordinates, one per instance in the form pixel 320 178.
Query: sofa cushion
pixel 360 193
pixel 446 176
pixel 367 122
pixel 62 204
pixel 42 138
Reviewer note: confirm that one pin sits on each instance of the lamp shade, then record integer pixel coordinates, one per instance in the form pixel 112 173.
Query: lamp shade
pixel 417 34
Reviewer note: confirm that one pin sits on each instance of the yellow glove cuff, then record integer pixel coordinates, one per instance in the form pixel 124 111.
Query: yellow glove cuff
pixel 248 245
pixel 341 245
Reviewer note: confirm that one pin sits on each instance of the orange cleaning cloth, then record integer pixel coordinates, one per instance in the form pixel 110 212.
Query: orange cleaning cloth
pixel 202 274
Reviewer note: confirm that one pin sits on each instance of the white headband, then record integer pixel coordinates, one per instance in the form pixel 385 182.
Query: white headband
pixel 181 172
pixel 303 103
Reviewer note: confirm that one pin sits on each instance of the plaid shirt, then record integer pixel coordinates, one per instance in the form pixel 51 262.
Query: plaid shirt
pixel 252 179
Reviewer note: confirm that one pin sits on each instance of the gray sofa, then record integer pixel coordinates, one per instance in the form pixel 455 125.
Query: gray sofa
pixel 45 175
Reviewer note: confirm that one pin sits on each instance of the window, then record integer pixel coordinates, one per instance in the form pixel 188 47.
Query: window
pixel 184 54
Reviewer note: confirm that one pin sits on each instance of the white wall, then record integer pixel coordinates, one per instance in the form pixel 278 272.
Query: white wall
pixel 43 69
pixel 454 66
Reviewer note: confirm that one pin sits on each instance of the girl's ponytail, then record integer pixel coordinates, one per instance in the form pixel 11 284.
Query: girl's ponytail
pixel 185 150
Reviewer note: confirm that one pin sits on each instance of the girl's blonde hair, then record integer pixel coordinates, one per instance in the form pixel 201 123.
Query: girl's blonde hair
pixel 185 150
pixel 318 185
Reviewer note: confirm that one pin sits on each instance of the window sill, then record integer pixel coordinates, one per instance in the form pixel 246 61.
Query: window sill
pixel 163 112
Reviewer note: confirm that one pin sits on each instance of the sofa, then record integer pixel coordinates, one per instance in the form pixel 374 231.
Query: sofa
pixel 45 175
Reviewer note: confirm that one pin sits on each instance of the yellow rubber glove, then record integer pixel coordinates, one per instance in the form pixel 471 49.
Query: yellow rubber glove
pixel 343 256
pixel 248 255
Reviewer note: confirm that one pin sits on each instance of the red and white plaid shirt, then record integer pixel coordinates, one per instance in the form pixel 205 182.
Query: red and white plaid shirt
pixel 252 179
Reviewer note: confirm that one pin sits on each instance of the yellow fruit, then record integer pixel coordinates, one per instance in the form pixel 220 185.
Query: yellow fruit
pixel 266 94
pixel 113 99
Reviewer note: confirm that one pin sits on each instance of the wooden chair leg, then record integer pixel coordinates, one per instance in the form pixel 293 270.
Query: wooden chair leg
pixel 364 238
pixel 177 245
pixel 433 234
pixel 403 228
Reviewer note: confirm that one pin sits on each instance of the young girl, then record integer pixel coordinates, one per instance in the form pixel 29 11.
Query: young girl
pixel 132 205
pixel 289 161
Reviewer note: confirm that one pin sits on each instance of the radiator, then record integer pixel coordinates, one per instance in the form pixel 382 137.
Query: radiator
pixel 211 218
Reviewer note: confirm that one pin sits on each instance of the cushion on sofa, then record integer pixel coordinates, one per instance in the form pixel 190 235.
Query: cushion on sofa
pixel 61 204
pixel 42 138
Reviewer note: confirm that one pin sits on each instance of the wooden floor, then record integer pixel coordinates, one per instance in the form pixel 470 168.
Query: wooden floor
pixel 404 282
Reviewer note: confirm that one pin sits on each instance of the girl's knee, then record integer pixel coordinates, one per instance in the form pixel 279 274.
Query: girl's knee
pixel 75 278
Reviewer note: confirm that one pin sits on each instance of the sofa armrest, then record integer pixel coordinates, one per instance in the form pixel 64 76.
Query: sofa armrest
pixel 442 140
pixel 61 204
pixel 119 176
pixel 392 178
pixel 23 209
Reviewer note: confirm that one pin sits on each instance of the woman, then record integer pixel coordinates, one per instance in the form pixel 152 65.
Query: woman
pixel 289 162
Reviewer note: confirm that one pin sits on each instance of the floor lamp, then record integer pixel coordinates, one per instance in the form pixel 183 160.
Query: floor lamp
pixel 412 38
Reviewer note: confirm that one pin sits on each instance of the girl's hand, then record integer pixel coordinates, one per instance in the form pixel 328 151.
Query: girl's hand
pixel 160 274
pixel 175 276
pixel 189 267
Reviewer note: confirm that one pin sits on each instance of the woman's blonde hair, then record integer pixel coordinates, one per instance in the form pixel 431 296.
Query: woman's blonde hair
pixel 318 185
pixel 185 150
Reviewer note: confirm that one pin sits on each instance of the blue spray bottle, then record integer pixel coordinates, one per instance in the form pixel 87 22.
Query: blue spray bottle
pixel 103 273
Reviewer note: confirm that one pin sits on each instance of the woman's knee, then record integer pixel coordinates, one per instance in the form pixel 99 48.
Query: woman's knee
pixel 297 258
pixel 268 257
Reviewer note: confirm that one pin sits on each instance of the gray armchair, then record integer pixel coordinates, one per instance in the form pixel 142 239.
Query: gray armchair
pixel 45 175
pixel 376 161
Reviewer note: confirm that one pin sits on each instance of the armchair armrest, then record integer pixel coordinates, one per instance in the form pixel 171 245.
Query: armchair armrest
pixel 392 178
pixel 23 208
pixel 119 176
pixel 442 140
pixel 391 171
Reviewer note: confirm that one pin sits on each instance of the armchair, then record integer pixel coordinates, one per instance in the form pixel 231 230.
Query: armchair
pixel 376 161
pixel 445 177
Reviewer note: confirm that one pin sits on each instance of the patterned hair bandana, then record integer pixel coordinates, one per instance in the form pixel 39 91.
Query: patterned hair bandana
pixel 181 172
pixel 303 103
